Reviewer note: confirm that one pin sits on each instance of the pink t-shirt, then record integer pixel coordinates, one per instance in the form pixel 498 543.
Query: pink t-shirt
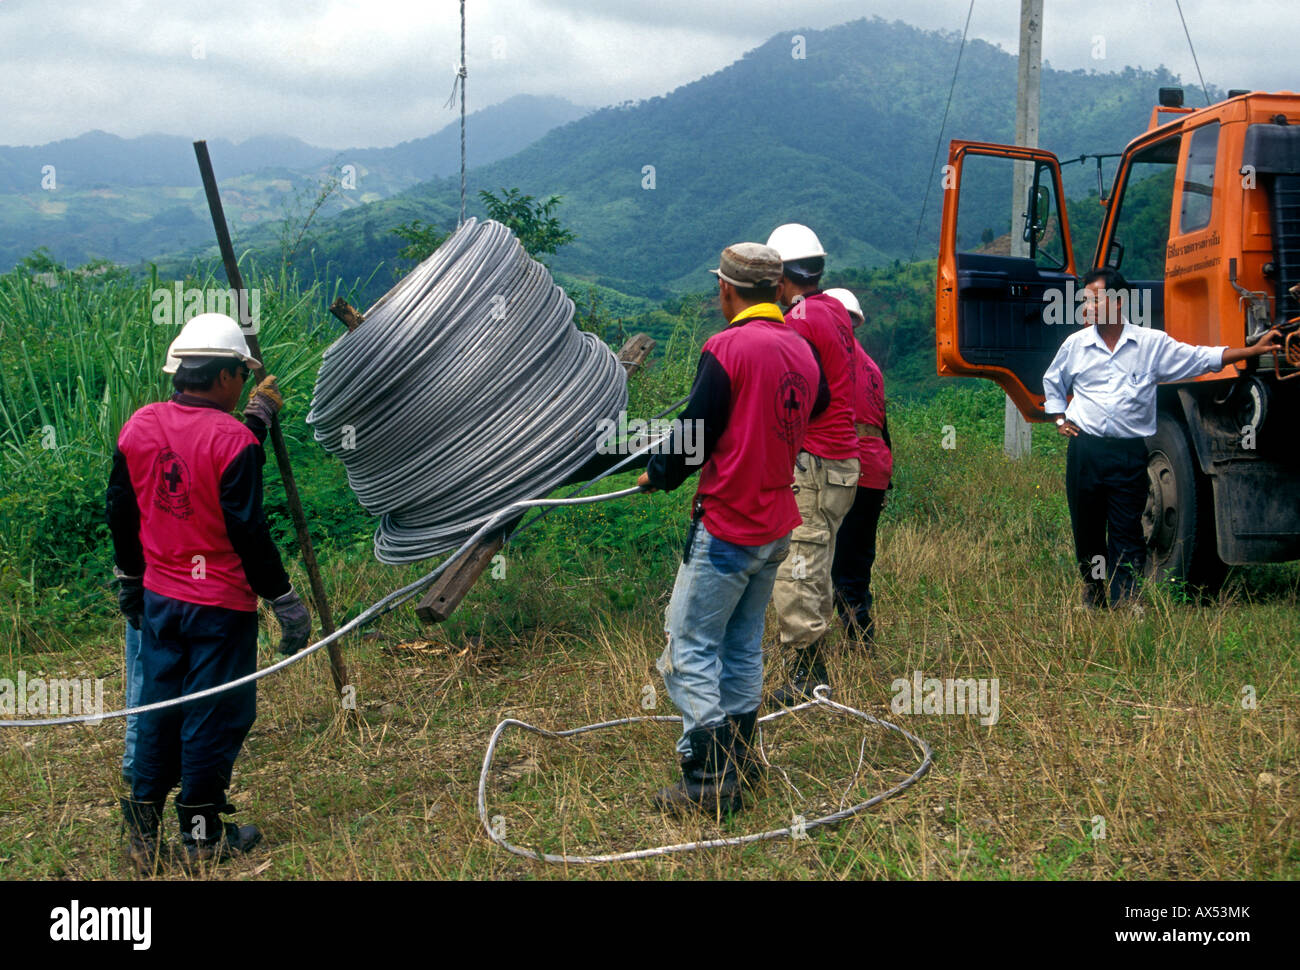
pixel 829 328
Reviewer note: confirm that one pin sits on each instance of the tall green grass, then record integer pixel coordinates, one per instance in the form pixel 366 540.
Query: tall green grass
pixel 79 353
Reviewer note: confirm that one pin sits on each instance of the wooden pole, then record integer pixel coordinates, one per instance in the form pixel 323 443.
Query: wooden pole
pixel 1017 440
pixel 337 668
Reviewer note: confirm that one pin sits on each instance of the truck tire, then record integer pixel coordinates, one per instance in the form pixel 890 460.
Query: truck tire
pixel 1179 518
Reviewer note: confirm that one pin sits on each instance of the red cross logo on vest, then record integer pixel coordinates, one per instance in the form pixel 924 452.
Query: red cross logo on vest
pixel 791 403
pixel 172 491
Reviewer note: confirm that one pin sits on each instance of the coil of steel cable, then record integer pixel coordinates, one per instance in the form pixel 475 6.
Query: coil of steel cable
pixel 466 388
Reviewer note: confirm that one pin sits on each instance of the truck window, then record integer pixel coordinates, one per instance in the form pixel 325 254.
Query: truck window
pixel 1144 203
pixel 984 217
pixel 1198 182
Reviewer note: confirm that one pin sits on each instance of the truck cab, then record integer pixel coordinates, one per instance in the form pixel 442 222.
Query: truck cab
pixel 1203 219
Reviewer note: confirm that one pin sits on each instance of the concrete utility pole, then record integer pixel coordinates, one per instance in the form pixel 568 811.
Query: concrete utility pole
pixel 1016 438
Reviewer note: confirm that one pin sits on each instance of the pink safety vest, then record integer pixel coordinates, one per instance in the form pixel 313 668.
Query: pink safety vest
pixel 176 455
pixel 875 456
pixel 745 486
pixel 828 326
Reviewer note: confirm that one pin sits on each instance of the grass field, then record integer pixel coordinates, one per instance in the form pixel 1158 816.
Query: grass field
pixel 1126 747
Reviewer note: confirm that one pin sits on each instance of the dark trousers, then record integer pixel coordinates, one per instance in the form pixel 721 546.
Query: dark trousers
pixel 185 648
pixel 1106 487
pixel 855 554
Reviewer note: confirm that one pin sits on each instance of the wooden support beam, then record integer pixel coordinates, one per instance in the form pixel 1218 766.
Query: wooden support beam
pixel 635 352
pixel 344 310
pixel 441 599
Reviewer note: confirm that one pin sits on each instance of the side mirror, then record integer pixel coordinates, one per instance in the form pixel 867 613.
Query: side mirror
pixel 1037 210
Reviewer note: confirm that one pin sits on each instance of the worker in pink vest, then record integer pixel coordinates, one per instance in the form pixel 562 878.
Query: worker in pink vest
pixel 757 386
pixel 825 469
pixel 855 546
pixel 193 553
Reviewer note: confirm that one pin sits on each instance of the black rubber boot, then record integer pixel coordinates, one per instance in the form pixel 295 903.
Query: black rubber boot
pixel 709 783
pixel 1094 595
pixel 208 839
pixel 809 671
pixel 143 830
pixel 859 627
pixel 744 746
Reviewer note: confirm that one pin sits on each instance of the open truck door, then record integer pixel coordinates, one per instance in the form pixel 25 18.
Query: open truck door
pixel 1006 293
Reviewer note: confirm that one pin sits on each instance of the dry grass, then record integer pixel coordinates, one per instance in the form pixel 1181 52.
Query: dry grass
pixel 1136 722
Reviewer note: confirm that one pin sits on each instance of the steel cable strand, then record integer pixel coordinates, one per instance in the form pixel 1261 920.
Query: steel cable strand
pixel 380 357
pixel 364 352
pixel 454 395
pixel 481 443
pixel 454 434
pixel 821 699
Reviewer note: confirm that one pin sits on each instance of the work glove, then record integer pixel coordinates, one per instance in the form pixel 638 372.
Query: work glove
pixel 265 401
pixel 130 597
pixel 295 621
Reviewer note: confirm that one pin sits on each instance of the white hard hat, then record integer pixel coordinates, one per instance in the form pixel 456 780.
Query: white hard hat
pixel 850 302
pixel 209 335
pixel 794 241
pixel 173 362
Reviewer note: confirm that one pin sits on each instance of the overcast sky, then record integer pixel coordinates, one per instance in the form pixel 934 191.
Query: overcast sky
pixel 344 73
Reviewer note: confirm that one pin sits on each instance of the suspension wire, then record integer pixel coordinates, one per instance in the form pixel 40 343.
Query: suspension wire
pixel 939 141
pixel 464 73
pixel 1204 90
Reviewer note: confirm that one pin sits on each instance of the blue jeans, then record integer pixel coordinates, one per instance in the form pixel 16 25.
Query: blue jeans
pixel 134 678
pixel 713 664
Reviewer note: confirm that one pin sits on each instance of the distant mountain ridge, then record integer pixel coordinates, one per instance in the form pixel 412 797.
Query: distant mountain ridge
pixel 133 199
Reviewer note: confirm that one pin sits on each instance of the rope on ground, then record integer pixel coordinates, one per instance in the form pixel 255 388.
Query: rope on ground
pixel 468 388
pixel 821 699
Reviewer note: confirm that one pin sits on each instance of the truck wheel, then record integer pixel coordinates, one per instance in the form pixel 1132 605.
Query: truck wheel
pixel 1179 518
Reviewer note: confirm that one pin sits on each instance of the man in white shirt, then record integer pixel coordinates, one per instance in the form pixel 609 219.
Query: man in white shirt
pixel 1111 368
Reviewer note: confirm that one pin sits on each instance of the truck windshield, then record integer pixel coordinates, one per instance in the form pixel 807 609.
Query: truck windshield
pixel 1143 204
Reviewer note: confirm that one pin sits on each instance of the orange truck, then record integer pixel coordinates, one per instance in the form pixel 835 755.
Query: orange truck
pixel 1203 219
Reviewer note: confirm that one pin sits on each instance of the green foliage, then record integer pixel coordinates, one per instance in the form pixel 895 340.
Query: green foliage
pixel 534 222
pixel 862 192
pixel 421 241
pixel 80 355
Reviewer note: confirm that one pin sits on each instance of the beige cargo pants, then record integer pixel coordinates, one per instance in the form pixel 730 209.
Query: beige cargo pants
pixel 804 597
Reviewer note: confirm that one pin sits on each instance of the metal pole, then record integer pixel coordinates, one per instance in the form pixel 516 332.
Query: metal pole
pixel 1017 440
pixel 337 668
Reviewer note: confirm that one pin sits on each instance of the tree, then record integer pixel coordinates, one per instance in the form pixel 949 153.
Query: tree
pixel 421 241
pixel 532 221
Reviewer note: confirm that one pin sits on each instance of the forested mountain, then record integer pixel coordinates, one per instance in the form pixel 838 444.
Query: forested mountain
pixel 842 138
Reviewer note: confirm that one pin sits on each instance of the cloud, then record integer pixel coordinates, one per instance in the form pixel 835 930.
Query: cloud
pixel 343 73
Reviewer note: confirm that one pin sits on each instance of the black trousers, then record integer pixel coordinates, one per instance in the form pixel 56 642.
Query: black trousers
pixel 1106 487
pixel 855 554
pixel 184 648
